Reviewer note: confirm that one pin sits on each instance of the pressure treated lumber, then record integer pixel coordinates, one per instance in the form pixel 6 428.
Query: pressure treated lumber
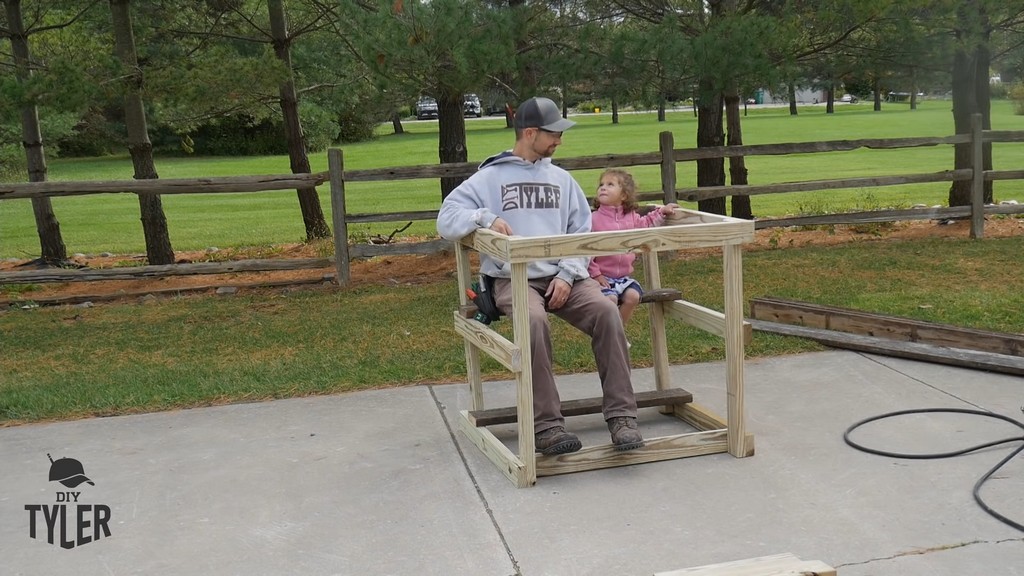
pixel 653 450
pixel 913 350
pixel 685 229
pixel 884 326
pixel 776 565
pixel 499 347
pixel 582 406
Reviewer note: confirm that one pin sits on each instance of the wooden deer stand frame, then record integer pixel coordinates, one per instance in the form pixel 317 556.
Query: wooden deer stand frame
pixel 685 229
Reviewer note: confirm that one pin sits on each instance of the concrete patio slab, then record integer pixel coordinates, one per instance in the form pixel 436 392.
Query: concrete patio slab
pixel 377 482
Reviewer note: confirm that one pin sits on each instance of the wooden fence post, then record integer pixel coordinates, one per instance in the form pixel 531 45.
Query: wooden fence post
pixel 666 144
pixel 336 167
pixel 978 179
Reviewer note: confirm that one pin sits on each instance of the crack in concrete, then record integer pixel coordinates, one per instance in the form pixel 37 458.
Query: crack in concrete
pixel 476 485
pixel 930 550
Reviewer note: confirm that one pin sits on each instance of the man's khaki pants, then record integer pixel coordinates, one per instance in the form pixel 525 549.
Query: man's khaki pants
pixel 595 315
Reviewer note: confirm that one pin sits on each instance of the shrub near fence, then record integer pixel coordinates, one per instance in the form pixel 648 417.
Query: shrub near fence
pixel 666 158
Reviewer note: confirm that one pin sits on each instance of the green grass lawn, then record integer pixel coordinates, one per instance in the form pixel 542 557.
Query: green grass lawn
pixel 63 362
pixel 98 223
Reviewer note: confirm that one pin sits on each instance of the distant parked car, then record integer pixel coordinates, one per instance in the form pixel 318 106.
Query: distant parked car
pixel 471 106
pixel 848 98
pixel 426 108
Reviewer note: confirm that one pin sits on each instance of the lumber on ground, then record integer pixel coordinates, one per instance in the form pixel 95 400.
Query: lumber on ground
pixel 776 565
pixel 883 326
pixel 1003 363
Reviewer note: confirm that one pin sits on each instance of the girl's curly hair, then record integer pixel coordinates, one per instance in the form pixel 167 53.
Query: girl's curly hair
pixel 628 185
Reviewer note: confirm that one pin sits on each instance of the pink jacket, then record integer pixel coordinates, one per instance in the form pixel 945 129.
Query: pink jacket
pixel 607 218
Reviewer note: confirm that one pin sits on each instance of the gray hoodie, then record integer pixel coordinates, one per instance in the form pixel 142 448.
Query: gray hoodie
pixel 535 198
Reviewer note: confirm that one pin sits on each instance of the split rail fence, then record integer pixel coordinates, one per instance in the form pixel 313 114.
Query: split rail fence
pixel 666 157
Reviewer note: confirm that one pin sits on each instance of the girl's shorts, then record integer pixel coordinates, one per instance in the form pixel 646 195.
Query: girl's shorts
pixel 618 286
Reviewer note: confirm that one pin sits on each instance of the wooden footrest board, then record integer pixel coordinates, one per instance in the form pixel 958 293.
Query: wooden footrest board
pixel 655 449
pixel 777 565
pixel 582 406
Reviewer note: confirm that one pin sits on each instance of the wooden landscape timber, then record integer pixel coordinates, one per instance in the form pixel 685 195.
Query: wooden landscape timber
pixel 181 290
pixel 891 335
pixel 712 434
pixel 883 326
pixel 137 272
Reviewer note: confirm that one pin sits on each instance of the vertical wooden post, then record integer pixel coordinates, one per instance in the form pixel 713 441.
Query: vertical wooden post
pixel 978 179
pixel 524 380
pixel 659 342
pixel 476 387
pixel 666 144
pixel 736 436
pixel 336 167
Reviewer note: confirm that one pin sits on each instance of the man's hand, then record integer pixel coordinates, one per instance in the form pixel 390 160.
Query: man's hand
pixel 557 293
pixel 501 227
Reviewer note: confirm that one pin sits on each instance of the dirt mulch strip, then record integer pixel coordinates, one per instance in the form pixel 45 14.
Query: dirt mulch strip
pixel 410 270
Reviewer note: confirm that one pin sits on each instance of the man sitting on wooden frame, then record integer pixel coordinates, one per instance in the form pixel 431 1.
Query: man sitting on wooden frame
pixel 521 192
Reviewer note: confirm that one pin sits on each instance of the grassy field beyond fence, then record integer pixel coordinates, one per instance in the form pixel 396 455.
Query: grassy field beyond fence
pixel 110 223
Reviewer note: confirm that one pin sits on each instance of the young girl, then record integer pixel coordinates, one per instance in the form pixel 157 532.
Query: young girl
pixel 616 209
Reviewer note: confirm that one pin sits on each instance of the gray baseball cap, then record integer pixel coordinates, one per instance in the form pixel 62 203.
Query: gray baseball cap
pixel 541 113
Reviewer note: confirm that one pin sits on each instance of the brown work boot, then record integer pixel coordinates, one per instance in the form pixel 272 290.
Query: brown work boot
pixel 625 435
pixel 556 441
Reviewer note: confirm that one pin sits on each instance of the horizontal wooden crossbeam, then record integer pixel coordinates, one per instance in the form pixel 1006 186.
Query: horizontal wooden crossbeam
pixel 583 406
pixel 654 450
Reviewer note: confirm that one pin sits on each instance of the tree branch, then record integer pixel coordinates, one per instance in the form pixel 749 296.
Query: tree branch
pixel 74 19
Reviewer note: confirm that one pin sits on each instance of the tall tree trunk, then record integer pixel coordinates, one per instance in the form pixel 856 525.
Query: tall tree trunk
pixel 451 137
pixel 737 164
pixel 661 108
pixel 913 88
pixel 876 91
pixel 710 171
pixel 309 202
pixel 983 98
pixel 154 223
pixel 51 244
pixel 791 87
pixel 970 96
pixel 615 110
pixel 830 103
pixel 396 123
pixel 526 80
